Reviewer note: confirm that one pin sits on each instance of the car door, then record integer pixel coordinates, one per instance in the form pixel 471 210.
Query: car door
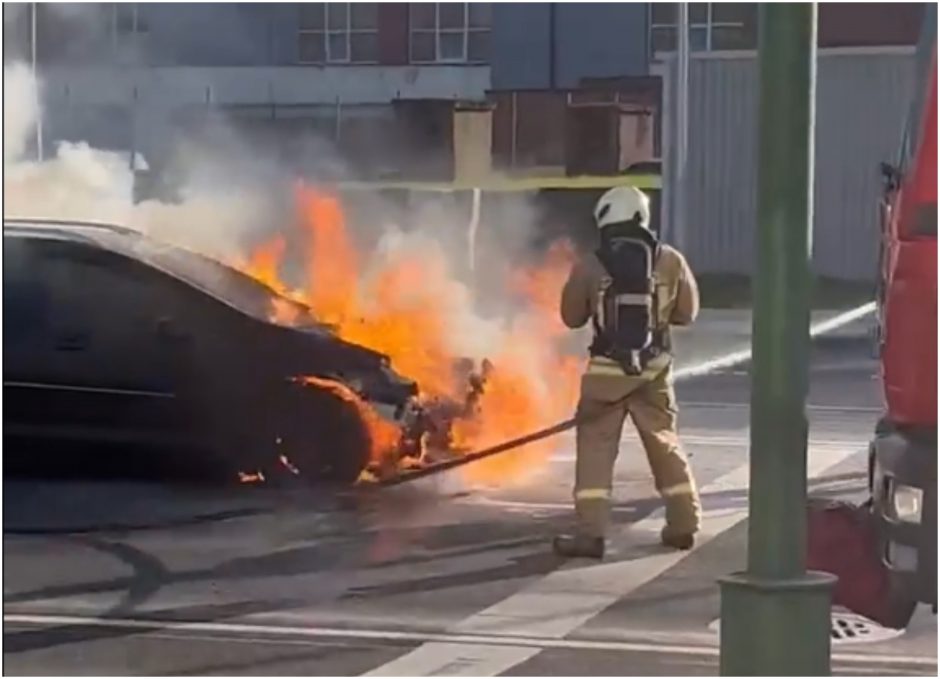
pixel 26 339
pixel 117 358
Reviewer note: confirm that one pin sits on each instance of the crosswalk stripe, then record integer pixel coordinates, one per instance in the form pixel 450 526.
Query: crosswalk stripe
pixel 564 600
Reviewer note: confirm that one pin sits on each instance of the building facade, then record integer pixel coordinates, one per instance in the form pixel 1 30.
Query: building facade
pixel 378 81
pixel 352 54
pixel 526 45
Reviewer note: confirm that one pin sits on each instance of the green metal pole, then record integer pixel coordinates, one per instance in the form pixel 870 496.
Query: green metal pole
pixel 777 531
pixel 775 616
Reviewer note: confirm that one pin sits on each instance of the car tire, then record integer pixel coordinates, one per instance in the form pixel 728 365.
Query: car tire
pixel 321 436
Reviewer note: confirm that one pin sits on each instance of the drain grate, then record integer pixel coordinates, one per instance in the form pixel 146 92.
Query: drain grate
pixel 848 628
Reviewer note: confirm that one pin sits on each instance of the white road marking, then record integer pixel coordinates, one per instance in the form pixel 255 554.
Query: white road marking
pixel 739 442
pixel 257 633
pixel 532 506
pixel 719 405
pixel 517 504
pixel 566 599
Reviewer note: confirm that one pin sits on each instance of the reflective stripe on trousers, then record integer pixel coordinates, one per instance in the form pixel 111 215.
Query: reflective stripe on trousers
pixel 592 494
pixel 678 489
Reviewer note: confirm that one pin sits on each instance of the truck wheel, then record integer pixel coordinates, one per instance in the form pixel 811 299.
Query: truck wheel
pixel 900 609
pixel 321 437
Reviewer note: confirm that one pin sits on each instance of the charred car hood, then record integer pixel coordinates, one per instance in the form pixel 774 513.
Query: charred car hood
pixel 368 372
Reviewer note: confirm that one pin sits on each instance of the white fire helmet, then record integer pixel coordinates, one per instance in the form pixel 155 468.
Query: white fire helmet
pixel 622 204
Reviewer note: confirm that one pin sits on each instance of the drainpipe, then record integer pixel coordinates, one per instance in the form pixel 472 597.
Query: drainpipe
pixel 551 46
pixel 515 125
pixel 32 43
pixel 680 186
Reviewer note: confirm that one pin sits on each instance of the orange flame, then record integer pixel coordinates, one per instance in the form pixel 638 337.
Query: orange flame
pixel 398 305
pixel 265 261
pixel 536 384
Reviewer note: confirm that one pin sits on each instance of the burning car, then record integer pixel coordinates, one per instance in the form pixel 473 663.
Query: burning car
pixel 114 339
pixel 402 297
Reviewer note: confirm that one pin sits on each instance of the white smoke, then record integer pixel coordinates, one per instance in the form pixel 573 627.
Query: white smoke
pixel 19 111
pixel 233 200
pixel 78 182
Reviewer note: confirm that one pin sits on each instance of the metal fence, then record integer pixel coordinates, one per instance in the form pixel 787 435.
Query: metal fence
pixel 861 103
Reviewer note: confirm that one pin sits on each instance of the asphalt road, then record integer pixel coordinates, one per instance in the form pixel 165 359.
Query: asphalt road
pixel 439 577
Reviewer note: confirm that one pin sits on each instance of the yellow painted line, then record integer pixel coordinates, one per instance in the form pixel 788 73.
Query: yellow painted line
pixel 502 185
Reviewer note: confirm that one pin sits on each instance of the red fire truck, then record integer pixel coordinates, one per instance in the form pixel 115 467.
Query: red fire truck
pixel 903 454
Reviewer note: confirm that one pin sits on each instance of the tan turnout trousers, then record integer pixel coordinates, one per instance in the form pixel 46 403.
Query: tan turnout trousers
pixel 650 402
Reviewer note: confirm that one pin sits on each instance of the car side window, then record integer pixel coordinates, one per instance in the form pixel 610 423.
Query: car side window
pixel 98 291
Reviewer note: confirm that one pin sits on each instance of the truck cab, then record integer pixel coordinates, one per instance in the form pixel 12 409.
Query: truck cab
pixel 903 454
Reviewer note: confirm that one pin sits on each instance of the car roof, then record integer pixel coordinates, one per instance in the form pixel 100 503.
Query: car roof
pixel 96 233
pixel 171 259
pixel 194 269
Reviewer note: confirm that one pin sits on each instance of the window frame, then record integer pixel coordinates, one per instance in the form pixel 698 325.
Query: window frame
pixel 325 32
pixel 465 31
pixel 126 28
pixel 709 25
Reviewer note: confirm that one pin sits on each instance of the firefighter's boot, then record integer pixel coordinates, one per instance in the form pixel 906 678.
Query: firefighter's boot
pixel 680 541
pixel 578 546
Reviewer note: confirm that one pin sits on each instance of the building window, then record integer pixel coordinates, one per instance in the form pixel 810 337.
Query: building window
pixel 712 26
pixel 129 28
pixel 450 32
pixel 338 33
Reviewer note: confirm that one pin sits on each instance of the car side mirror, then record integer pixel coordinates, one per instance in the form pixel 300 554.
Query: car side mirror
pixel 891 175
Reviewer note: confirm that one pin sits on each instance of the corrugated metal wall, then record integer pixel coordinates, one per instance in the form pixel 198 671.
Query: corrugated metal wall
pixel 862 100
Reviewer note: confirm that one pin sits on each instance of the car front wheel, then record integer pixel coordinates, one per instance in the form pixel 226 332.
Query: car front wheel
pixel 319 436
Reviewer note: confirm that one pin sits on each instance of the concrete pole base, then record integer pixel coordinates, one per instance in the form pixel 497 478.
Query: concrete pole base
pixel 776 627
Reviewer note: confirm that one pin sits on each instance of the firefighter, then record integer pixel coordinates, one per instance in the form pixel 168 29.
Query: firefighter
pixel 630 369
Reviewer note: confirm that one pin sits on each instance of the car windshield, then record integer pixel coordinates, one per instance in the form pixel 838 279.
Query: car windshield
pixel 230 285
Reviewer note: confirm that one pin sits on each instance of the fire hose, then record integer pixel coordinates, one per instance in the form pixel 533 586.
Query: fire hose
pixel 705 368
pixel 504 447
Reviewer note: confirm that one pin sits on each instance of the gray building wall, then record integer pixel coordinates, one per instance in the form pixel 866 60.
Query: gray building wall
pixel 220 34
pixel 590 39
pixel 594 40
pixel 861 104
pixel 96 82
pixel 170 34
pixel 601 40
pixel 520 45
